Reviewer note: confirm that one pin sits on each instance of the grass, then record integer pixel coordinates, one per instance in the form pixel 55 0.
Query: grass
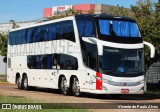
pixel 157 92
pixel 11 99
pixel 3 78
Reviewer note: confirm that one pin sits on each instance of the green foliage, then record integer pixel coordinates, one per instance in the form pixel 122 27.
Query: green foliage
pixel 3 78
pixel 3 44
pixel 119 11
pixel 23 100
pixel 70 12
pixel 15 25
pixel 147 14
pixel 91 11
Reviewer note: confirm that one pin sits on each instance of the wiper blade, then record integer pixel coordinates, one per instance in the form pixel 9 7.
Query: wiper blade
pixel 109 70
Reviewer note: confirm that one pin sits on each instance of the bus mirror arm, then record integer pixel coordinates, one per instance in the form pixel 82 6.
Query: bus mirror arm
pixel 99 45
pixel 94 41
pixel 152 48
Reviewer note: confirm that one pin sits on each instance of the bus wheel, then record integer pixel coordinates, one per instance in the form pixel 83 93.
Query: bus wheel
pixel 18 82
pixel 75 87
pixel 25 83
pixel 63 87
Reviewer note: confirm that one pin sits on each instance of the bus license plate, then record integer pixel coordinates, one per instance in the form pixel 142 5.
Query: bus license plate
pixel 124 90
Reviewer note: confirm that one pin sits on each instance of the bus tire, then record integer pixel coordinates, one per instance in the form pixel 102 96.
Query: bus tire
pixel 64 89
pixel 19 82
pixel 75 88
pixel 25 83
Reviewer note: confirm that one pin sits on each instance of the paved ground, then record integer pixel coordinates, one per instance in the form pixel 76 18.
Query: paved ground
pixel 53 96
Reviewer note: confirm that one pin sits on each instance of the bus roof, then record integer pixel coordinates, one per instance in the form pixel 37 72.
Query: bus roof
pixel 73 17
pixel 44 23
pixel 105 16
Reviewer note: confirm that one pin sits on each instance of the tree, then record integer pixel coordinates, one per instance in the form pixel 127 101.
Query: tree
pixel 91 11
pixel 70 12
pixel 15 25
pixel 3 44
pixel 147 14
pixel 119 11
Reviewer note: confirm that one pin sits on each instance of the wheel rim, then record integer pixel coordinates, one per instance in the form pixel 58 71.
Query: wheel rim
pixel 25 83
pixel 76 88
pixel 19 81
pixel 63 86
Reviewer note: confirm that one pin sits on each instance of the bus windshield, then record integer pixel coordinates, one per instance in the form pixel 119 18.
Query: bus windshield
pixel 118 28
pixel 121 61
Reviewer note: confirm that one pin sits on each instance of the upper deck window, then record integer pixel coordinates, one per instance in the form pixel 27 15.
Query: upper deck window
pixel 86 26
pixel 118 28
pixel 42 33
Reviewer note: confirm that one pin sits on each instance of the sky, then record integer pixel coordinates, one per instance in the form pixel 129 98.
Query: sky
pixel 24 10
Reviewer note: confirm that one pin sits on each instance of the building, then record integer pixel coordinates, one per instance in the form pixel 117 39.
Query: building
pixel 6 27
pixel 85 8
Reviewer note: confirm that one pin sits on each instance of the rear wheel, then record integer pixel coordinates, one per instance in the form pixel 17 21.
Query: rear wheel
pixel 63 86
pixel 18 82
pixel 25 83
pixel 75 87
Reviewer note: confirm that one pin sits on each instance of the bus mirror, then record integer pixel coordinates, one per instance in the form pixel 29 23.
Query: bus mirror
pixel 5 59
pixel 152 49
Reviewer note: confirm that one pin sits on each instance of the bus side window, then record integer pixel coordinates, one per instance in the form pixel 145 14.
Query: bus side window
pixel 16 37
pixel 43 33
pixel 49 61
pixel 86 27
pixel 22 35
pixel 46 62
pixel 68 62
pixel 51 32
pixel 68 31
pixel 29 36
pixel 55 59
pixel 34 34
pixel 58 31
pixel 26 36
pixel 90 57
pixel 38 62
pixel 31 62
pixel 43 62
pixel 10 38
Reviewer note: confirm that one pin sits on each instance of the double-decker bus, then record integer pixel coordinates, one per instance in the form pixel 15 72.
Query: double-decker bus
pixel 98 54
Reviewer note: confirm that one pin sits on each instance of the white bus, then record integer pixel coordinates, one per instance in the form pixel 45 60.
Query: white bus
pixel 98 54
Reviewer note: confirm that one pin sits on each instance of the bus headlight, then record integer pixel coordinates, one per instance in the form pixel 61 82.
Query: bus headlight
pixel 106 81
pixel 103 80
pixel 99 78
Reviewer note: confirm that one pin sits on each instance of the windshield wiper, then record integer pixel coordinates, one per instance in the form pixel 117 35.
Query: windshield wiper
pixel 108 70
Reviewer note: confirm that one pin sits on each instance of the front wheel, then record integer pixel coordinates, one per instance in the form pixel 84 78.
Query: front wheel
pixel 75 87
